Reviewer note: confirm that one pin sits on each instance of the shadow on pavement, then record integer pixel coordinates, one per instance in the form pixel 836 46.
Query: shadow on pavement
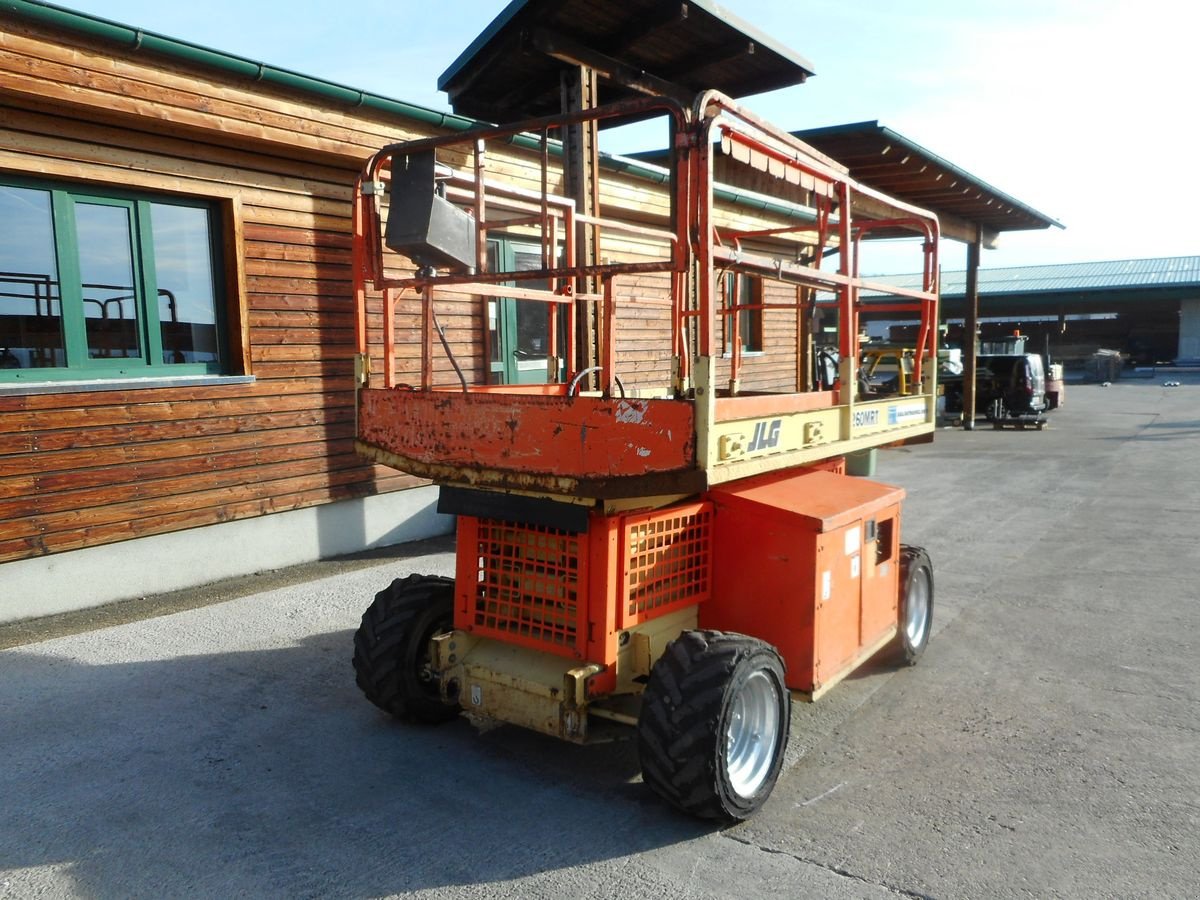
pixel 265 773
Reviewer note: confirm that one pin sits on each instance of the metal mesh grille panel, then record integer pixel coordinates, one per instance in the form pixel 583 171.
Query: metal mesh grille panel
pixel 668 560
pixel 529 585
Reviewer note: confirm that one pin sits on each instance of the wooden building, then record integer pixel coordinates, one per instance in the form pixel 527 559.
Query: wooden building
pixel 176 319
pixel 177 331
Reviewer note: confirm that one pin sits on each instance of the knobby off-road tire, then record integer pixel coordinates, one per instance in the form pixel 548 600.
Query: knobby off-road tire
pixel 916 606
pixel 391 648
pixel 714 724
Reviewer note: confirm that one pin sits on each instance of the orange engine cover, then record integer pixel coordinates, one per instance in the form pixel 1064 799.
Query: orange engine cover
pixel 809 563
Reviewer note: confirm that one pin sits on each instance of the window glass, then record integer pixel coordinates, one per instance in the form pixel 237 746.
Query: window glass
pixel 31 330
pixel 533 316
pixel 749 293
pixel 105 285
pixel 520 345
pixel 105 239
pixel 187 301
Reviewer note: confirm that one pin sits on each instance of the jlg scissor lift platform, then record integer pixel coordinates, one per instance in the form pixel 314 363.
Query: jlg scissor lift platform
pixel 661 538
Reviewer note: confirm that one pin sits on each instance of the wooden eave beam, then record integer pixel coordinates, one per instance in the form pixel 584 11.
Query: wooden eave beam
pixel 705 59
pixel 482 64
pixel 646 26
pixel 953 198
pixel 913 179
pixel 951 226
pixel 855 160
pixel 529 92
pixel 898 165
pixel 769 82
pixel 569 51
pixel 964 231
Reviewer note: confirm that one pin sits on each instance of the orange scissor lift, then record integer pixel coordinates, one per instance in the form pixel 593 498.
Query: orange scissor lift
pixel 670 548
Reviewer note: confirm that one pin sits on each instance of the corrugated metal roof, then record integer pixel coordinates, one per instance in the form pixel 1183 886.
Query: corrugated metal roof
pixel 1110 286
pixel 1120 274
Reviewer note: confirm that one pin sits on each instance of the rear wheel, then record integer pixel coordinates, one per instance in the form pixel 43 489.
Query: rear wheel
pixel 916 605
pixel 392 651
pixel 714 724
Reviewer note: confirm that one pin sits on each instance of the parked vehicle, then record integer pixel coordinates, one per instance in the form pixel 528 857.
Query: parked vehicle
pixel 1006 386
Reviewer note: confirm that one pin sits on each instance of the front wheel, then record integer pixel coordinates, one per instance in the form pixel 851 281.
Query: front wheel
pixel 916 605
pixel 714 724
pixel 392 652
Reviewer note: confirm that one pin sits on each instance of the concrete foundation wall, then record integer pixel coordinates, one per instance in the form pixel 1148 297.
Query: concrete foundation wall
pixel 1189 331
pixel 79 579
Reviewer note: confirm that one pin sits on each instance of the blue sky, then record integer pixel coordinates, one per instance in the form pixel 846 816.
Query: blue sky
pixel 1083 109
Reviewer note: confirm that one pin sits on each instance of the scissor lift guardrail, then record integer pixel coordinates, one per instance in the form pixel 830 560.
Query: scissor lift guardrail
pixel 558 437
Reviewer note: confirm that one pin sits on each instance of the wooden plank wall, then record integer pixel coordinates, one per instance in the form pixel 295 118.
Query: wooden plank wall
pixel 83 469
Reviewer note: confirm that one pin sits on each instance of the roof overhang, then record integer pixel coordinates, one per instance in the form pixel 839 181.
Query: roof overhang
pixel 677 48
pixel 889 162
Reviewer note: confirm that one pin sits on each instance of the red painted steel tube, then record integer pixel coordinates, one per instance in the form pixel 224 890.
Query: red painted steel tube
pixel 609 358
pixel 572 322
pixel 389 338
pixel 574 363
pixel 529 274
pixel 736 236
pixel 358 251
pixel 924 226
pixel 625 109
pixel 427 338
pixel 480 205
pixel 734 294
pixel 847 267
pixel 692 238
pixel 702 202
pixel 789 160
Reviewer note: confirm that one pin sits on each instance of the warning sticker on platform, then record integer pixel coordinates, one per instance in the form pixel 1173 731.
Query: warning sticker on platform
pixel 906 413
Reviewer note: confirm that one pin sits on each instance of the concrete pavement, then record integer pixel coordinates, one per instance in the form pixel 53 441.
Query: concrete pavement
pixel 1046 746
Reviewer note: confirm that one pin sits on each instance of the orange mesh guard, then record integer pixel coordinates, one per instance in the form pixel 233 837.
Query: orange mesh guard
pixel 528 583
pixel 666 561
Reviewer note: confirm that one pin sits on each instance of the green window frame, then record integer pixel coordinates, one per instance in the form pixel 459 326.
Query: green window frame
pixel 99 283
pixel 518 330
pixel 750 321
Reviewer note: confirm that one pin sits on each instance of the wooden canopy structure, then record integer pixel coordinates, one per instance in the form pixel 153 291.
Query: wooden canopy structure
pixel 543 58
pixel 637 47
pixel 967 207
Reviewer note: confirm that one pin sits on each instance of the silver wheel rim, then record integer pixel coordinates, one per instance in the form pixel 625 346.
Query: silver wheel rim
pixel 752 739
pixel 916 618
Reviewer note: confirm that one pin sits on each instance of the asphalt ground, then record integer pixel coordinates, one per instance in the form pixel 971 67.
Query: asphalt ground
pixel 212 743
